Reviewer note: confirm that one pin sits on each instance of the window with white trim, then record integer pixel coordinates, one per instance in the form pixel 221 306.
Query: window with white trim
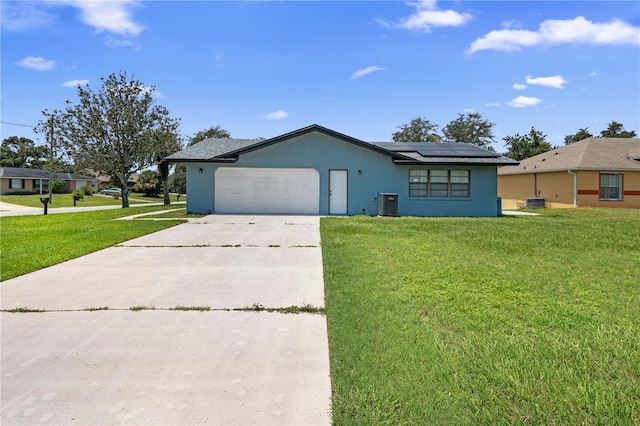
pixel 16 184
pixel 610 186
pixel 439 183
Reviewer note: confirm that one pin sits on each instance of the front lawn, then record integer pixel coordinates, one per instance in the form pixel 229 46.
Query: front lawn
pixel 66 200
pixel 29 243
pixel 513 320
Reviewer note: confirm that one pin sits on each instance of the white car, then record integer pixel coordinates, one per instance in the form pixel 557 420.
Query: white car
pixel 111 191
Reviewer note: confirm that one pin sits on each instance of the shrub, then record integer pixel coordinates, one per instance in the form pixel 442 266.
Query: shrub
pixel 57 186
pixel 22 192
pixel 85 190
pixel 79 192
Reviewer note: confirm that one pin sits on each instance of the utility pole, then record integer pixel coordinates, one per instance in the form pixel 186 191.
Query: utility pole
pixel 51 160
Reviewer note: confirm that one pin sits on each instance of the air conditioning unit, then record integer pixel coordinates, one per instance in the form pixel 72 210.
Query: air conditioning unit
pixel 534 203
pixel 387 204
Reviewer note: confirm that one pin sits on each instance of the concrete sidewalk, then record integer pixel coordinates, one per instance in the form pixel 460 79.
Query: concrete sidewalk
pixel 71 364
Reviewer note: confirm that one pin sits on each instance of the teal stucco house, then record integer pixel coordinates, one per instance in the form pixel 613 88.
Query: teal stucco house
pixel 317 171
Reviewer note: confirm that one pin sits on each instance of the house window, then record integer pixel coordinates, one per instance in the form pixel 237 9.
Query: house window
pixel 439 183
pixel 610 186
pixel 16 183
pixel 460 183
pixel 45 185
pixel 418 183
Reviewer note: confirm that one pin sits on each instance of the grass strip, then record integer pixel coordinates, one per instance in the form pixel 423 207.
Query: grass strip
pixel 30 243
pixel 513 320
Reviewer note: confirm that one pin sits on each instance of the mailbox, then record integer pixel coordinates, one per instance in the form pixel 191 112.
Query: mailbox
pixel 76 197
pixel 45 201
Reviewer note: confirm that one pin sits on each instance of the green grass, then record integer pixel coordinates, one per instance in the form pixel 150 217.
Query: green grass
pixel 513 320
pixel 66 200
pixel 29 243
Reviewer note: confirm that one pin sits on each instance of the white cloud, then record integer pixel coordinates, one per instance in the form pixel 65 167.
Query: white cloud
pixel 22 15
pixel 518 86
pixel 110 16
pixel 493 104
pixel 571 31
pixel 37 63
pixel 428 16
pixel 556 81
pixel 276 115
pixel 365 71
pixel 524 101
pixel 594 74
pixel 75 83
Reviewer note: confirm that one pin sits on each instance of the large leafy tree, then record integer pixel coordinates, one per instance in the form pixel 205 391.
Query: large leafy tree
pixel 470 128
pixel 418 130
pixel 578 136
pixel 22 152
pixel 116 129
pixel 211 132
pixel 525 146
pixel 616 130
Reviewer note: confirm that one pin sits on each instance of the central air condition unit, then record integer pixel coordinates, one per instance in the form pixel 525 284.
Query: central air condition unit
pixel 534 203
pixel 387 204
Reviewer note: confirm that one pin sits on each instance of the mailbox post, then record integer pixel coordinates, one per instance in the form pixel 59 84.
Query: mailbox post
pixel 45 201
pixel 76 197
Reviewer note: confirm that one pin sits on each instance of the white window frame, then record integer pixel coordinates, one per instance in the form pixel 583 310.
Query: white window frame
pixel 609 184
pixel 13 182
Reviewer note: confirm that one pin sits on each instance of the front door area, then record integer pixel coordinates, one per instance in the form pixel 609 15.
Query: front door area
pixel 338 191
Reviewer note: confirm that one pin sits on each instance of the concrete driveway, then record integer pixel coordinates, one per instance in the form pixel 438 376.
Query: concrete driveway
pixel 76 363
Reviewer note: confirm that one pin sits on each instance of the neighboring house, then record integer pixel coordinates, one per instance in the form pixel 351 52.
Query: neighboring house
pixel 594 172
pixel 105 181
pixel 14 179
pixel 316 170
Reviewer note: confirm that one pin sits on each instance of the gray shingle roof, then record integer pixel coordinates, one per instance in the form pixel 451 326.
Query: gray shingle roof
pixel 220 150
pixel 211 148
pixel 587 154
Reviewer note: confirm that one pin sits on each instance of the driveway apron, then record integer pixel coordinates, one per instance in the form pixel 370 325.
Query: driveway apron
pixel 199 346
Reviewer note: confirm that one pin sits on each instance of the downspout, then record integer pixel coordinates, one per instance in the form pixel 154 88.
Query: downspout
pixel 575 189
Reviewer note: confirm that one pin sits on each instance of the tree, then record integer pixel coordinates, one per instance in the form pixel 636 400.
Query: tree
pixel 525 146
pixel 578 136
pixel 616 130
pixel 148 182
pixel 168 143
pixel 178 180
pixel 470 128
pixel 22 152
pixel 211 132
pixel 114 130
pixel 418 130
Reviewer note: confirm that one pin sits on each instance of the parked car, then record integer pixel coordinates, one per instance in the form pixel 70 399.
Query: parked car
pixel 111 191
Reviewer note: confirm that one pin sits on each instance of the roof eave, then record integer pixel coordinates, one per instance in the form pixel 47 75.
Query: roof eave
pixel 413 162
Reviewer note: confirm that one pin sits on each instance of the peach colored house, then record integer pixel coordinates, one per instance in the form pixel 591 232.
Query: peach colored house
pixel 14 179
pixel 594 172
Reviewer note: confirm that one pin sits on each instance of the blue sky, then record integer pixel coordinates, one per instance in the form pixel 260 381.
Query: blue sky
pixel 361 67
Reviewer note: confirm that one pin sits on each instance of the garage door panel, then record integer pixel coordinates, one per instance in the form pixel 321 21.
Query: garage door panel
pixel 257 190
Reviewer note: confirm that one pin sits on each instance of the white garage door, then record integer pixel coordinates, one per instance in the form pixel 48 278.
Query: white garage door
pixel 250 190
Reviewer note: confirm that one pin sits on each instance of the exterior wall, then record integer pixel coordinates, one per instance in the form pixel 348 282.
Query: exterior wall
pixel 557 189
pixel 379 174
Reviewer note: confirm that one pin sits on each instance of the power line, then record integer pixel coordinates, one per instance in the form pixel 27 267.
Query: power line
pixel 16 124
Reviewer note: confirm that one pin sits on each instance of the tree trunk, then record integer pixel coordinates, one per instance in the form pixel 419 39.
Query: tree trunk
pixel 164 175
pixel 125 189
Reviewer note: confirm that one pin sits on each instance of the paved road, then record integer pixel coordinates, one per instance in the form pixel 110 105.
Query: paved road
pixel 74 365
